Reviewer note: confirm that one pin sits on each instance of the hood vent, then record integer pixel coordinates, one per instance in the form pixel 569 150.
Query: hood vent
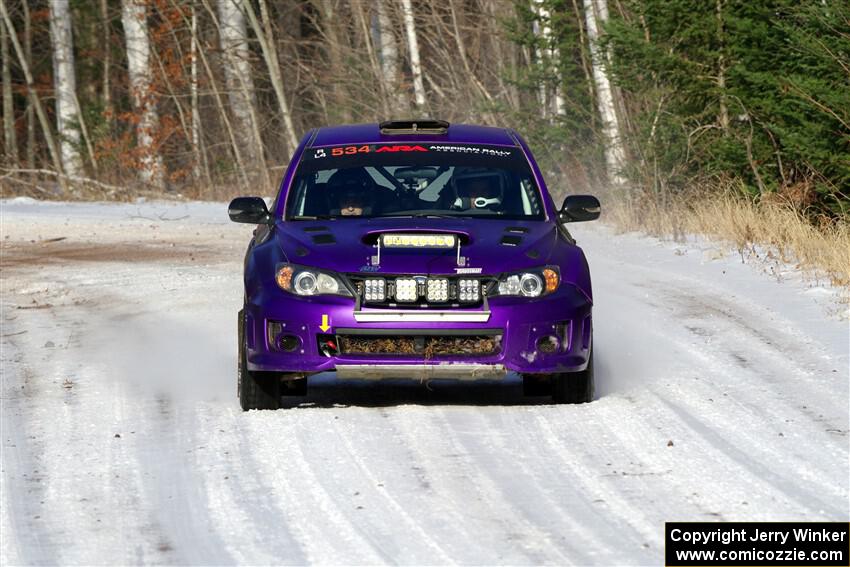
pixel 510 240
pixel 315 229
pixel 324 239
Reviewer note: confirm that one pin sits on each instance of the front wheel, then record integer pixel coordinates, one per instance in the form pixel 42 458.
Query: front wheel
pixel 257 390
pixel 574 387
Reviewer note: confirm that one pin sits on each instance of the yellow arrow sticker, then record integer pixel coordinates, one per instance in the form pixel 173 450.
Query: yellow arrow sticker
pixel 325 325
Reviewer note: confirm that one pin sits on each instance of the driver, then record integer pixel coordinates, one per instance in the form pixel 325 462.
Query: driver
pixel 351 189
pixel 352 203
pixel 477 189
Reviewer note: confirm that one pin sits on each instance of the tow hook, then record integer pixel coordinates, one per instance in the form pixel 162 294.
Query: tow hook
pixel 328 347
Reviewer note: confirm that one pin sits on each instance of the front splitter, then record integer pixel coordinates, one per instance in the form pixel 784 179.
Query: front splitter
pixel 446 371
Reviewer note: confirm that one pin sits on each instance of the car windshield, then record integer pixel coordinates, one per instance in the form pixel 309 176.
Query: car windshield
pixel 417 180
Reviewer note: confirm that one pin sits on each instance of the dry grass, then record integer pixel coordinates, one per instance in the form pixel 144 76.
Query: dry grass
pixel 820 249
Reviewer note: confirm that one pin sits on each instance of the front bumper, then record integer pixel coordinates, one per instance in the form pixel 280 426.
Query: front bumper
pixel 545 335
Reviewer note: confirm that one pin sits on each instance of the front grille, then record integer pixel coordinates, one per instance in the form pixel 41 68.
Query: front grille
pixel 427 346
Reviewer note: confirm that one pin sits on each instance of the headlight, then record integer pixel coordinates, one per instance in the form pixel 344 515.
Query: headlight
pixel 300 280
pixel 532 283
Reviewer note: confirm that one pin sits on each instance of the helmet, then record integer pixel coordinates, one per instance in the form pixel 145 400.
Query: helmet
pixel 478 188
pixel 351 187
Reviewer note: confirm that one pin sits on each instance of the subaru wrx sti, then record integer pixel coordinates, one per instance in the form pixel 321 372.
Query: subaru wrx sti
pixel 414 249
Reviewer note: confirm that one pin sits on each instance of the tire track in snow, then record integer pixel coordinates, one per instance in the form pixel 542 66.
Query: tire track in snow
pixel 583 471
pixel 583 519
pixel 252 526
pixel 329 534
pixel 749 415
pixel 22 453
pixel 524 500
pixel 434 552
pixel 484 526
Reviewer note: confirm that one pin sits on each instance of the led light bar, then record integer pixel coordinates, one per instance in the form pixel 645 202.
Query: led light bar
pixel 437 290
pixel 374 289
pixel 418 240
pixel 405 289
pixel 468 290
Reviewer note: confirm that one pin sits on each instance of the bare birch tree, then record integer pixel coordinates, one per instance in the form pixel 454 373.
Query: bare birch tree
pixel 390 68
pixel 134 19
pixel 267 44
pixel 65 85
pixel 233 34
pixel 33 95
pixel 413 49
pixel 548 56
pixel 9 134
pixel 29 113
pixel 193 97
pixel 595 12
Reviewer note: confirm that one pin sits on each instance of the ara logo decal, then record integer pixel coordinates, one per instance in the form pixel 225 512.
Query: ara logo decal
pixel 468 270
pixel 400 149
pixel 320 153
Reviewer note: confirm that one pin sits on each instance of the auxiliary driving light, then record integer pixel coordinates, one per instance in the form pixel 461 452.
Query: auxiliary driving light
pixel 375 289
pixel 405 289
pixel 418 240
pixel 437 290
pixel 468 290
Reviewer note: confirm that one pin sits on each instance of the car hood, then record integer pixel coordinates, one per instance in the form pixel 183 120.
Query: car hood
pixel 489 246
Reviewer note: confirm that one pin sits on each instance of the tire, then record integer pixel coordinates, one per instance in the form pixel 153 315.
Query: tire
pixel 574 387
pixel 256 390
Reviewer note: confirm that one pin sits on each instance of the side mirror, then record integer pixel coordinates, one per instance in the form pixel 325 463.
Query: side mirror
pixel 577 208
pixel 249 210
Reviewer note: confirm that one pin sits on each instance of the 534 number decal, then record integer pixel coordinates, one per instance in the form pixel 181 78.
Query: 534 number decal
pixel 352 150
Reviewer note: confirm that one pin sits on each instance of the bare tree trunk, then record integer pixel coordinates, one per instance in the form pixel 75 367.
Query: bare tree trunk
pixel 504 53
pixel 337 52
pixel 134 18
pixel 723 115
pixel 216 92
pixel 468 70
pixel 550 55
pixel 371 37
pixel 107 62
pixel 585 63
pixel 30 111
pixel 615 155
pixel 65 85
pixel 10 138
pixel 539 56
pixel 398 102
pixel 193 93
pixel 42 116
pixel 269 47
pixel 233 34
pixel 413 48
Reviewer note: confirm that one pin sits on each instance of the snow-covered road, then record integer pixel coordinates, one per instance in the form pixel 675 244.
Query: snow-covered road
pixel 723 395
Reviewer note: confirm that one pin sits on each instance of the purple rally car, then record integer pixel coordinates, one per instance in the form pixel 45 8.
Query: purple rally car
pixel 414 249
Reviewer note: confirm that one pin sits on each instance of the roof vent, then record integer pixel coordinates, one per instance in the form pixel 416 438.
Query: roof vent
pixel 424 126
